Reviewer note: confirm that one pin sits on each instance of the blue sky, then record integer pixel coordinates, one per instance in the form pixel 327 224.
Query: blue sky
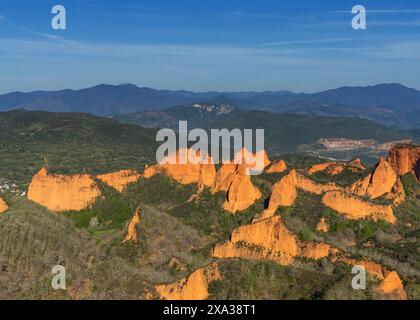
pixel 208 44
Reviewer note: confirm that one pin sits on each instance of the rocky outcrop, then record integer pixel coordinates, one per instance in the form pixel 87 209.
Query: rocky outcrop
pixel 356 165
pixel 120 179
pixel 3 205
pixel 132 227
pixel 334 168
pixel 392 287
pixel 268 239
pixel 378 183
pixel 317 250
pixel 322 226
pixel 224 177
pixel 311 186
pixel 252 160
pixel 277 167
pixel 194 287
pixel 372 267
pixel 241 193
pixel 62 193
pixel 405 158
pixel 284 193
pixel 353 207
pixel 192 171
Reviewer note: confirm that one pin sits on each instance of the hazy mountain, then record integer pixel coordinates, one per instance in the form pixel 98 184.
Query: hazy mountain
pixel 388 104
pixel 283 132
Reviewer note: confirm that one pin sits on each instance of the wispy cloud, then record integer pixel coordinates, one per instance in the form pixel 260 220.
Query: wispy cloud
pixel 2 18
pixel 382 11
pixel 309 41
pixel 41 34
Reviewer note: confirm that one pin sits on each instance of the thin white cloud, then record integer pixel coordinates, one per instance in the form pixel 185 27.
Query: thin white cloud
pixel 309 41
pixel 2 18
pixel 41 34
pixel 382 11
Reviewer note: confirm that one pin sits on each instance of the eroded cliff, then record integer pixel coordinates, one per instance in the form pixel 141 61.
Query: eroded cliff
pixel 61 192
pixel 193 287
pixel 120 179
pixel 353 207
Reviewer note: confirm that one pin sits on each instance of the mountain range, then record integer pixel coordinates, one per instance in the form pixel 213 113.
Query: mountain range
pixel 392 105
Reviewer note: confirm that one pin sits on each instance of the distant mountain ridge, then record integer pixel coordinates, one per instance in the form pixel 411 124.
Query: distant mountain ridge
pixel 388 104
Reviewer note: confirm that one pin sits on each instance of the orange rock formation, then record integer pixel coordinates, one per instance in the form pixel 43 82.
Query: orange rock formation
pixel 372 267
pixel 392 286
pixel 194 287
pixel 3 205
pixel 316 250
pixel 62 193
pixel 224 177
pixel 277 166
pixel 355 208
pixel 284 193
pixel 249 159
pixel 334 168
pixel 241 193
pixel 405 158
pixel 268 239
pixel 132 228
pixel 356 165
pixel 322 226
pixel 311 186
pixel 118 180
pixel 193 171
pixel 378 183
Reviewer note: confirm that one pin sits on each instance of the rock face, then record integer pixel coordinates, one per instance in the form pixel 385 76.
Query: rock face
pixel 193 171
pixel 378 183
pixel 249 159
pixel 224 177
pixel 316 251
pixel 308 185
pixel 62 193
pixel 277 167
pixel 284 193
pixel 3 205
pixel 334 168
pixel 405 158
pixel 372 267
pixel 241 193
pixel 132 228
pixel 355 208
pixel 392 287
pixel 194 287
pixel 356 165
pixel 322 226
pixel 118 180
pixel 268 239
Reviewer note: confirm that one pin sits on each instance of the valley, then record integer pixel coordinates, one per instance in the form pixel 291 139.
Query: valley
pixel 128 228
